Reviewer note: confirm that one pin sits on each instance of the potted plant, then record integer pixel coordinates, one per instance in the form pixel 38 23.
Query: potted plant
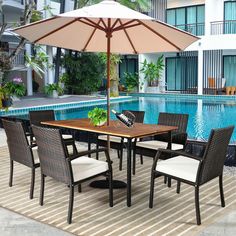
pixel 53 90
pixel 98 116
pixel 131 81
pixel 5 95
pixel 152 71
pixel 16 87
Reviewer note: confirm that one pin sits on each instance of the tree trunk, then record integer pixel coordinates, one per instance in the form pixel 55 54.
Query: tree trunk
pixel 114 80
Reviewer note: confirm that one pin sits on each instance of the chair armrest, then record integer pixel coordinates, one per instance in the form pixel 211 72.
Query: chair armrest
pixel 32 145
pixel 180 138
pixel 179 153
pixel 87 152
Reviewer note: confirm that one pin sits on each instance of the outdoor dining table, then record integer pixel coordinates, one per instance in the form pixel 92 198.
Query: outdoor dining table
pixel 115 128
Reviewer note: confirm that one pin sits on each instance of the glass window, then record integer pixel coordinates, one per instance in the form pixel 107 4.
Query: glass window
pixel 181 73
pixel 190 19
pixel 230 17
pixel 171 17
pixel 230 70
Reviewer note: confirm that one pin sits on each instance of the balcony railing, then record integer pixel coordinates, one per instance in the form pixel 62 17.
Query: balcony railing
pixel 223 27
pixel 196 29
pixel 19 59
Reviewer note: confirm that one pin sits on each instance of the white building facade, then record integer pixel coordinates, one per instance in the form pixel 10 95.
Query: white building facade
pixel 203 68
pixel 209 65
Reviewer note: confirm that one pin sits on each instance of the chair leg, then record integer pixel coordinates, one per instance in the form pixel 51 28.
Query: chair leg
pixel 221 191
pixel 141 159
pixel 71 203
pixel 80 188
pixel 197 205
pixel 121 158
pixel 32 183
pixel 134 162
pixel 97 153
pixel 11 173
pixel 42 190
pixel 165 179
pixel 110 179
pixel 151 190
pixel 178 187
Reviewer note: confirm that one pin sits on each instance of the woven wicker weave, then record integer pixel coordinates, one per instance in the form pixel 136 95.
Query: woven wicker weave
pixel 209 166
pixel 19 149
pixel 56 163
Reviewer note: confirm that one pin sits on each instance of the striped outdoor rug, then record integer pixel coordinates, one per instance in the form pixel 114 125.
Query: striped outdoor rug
pixel 173 214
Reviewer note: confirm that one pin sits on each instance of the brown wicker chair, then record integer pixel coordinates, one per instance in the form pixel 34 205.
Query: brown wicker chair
pixel 71 170
pixel 179 137
pixel 117 142
pixel 36 117
pixel 20 150
pixel 195 170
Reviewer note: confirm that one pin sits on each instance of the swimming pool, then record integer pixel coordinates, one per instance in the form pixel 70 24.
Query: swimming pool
pixel 204 114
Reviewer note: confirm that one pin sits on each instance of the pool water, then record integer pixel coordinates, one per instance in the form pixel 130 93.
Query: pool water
pixel 203 114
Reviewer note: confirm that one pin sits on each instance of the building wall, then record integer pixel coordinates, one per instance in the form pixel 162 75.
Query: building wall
pixel 183 3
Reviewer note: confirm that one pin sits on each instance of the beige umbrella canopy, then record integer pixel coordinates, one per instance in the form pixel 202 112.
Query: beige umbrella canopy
pixel 107 27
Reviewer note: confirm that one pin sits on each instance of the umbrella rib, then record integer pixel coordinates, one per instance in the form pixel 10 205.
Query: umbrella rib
pixel 104 24
pixel 125 25
pixel 127 35
pixel 161 36
pixel 90 37
pixel 55 30
pixel 91 23
pixel 115 23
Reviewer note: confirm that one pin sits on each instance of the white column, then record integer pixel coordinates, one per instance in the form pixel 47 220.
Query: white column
pixel 49 78
pixel 200 72
pixel 142 83
pixel 68 6
pixel 29 72
pixel 213 12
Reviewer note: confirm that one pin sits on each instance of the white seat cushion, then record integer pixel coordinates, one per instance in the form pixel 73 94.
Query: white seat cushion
pixel 67 136
pixel 85 167
pixel 155 144
pixel 112 138
pixel 180 166
pixel 35 155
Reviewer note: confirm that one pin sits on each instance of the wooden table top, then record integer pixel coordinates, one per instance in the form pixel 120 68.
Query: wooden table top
pixel 115 128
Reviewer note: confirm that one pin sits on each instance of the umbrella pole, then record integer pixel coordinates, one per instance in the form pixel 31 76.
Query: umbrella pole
pixel 108 35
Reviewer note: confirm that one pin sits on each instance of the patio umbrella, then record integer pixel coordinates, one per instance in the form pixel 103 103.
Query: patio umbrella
pixel 107 27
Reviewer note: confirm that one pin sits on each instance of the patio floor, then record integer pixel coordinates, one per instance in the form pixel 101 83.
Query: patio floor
pixel 39 99
pixel 15 224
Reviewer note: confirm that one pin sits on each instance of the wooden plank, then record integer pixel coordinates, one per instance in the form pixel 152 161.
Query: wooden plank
pixel 115 128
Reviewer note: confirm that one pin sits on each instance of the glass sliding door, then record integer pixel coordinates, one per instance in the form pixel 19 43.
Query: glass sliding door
pixel 181 74
pixel 230 17
pixel 191 19
pixel 200 20
pixel 230 70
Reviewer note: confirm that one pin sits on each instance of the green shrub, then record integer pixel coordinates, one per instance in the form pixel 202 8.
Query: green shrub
pixel 84 72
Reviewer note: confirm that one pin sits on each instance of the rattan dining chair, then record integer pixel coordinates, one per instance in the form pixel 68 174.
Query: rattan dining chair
pixel 194 170
pixel 20 150
pixel 118 143
pixel 178 142
pixel 71 170
pixel 38 116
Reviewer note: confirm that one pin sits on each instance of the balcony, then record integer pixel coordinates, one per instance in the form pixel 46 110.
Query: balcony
pixel 223 27
pixel 13 6
pixel 19 61
pixel 197 29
